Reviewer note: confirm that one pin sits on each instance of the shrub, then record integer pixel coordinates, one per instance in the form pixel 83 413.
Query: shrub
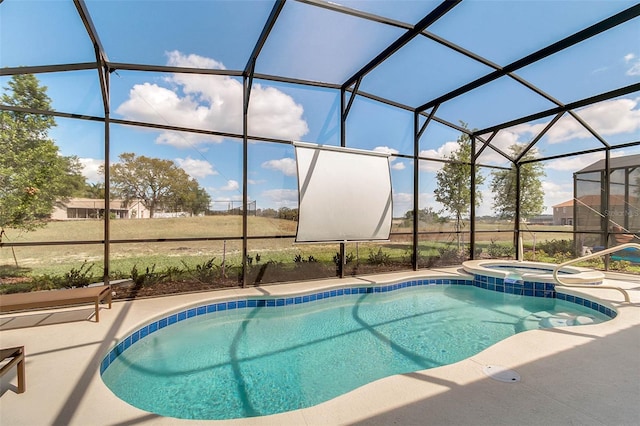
pixel 554 247
pixel 78 277
pixel 206 271
pixel 145 278
pixel 499 250
pixel 620 265
pixel 45 282
pixel 561 257
pixel 450 256
pixel 477 252
pixel 595 263
pixel 348 258
pixel 20 287
pixel 298 259
pixel 172 273
pixel 379 259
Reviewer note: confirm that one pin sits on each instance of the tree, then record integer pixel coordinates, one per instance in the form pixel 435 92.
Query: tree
pixel 268 212
pixel 454 182
pixel 190 198
pixel 503 186
pixel 94 190
pixel 33 174
pixel 157 183
pixel 426 215
pixel 287 213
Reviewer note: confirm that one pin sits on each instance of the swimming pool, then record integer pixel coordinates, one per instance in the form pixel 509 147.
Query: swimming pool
pixel 252 357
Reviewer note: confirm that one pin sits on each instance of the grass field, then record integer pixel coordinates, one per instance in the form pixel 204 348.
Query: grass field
pixel 59 259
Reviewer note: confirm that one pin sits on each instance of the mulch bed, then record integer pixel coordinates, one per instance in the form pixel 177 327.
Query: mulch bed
pixel 132 291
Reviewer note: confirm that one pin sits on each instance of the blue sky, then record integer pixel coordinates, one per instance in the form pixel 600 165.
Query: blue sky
pixel 317 44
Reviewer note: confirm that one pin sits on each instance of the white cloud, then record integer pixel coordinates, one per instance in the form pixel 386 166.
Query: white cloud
pixel 402 197
pixel 211 102
pixel 550 186
pixel 579 162
pixel 281 197
pixel 196 168
pixel 634 70
pixel 392 160
pixel 90 167
pixel 508 137
pixel 284 165
pixel 185 139
pixel 152 103
pixel 574 163
pixel 443 151
pixel 430 166
pixel 634 63
pixel 502 141
pixel 385 150
pixel 275 114
pixel 607 118
pixel 402 202
pixel 177 59
pixel 426 199
pixel 555 193
pixel 232 185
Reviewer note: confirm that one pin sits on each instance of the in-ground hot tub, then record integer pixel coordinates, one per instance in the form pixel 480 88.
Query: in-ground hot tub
pixel 529 272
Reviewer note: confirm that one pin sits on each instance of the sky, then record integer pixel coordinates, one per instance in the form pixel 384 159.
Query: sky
pixel 317 44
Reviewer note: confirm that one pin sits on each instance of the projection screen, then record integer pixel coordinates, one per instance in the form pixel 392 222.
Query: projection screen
pixel 344 194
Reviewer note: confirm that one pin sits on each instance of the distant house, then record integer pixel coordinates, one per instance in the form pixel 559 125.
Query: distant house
pixel 89 208
pixel 592 185
pixel 563 213
pixel 543 219
pixel 589 210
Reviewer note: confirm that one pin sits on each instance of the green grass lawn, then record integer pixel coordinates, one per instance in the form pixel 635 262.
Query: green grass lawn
pixel 55 259
pixel 60 259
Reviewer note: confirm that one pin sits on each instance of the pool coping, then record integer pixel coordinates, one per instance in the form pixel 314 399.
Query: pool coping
pixel 579 275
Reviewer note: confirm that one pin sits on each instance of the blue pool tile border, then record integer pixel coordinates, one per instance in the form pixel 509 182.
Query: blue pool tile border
pixel 523 288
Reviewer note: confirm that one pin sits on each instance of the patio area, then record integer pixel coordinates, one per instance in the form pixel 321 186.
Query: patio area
pixel 588 375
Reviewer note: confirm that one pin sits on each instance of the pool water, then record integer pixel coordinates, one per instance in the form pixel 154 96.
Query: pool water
pixel 260 361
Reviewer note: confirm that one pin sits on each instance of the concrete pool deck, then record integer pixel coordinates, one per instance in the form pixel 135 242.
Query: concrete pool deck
pixel 587 375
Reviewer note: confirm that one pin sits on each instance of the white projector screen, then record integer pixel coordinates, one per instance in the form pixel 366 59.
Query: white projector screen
pixel 344 194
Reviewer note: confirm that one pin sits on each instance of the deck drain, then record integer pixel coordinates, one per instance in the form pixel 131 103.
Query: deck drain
pixel 501 374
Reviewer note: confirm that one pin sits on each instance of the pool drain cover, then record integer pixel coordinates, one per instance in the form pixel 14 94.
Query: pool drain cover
pixel 501 374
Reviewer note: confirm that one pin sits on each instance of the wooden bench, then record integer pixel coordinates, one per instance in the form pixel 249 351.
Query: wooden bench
pixel 16 357
pixel 54 298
